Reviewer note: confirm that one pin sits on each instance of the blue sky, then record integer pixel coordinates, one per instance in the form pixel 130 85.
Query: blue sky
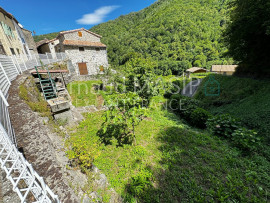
pixel 57 15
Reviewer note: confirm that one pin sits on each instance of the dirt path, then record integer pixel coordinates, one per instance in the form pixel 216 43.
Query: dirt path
pixel 39 145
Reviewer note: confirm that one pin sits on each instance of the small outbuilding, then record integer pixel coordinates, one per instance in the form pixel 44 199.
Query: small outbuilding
pixel 195 70
pixel 224 69
pixel 47 46
pixel 84 49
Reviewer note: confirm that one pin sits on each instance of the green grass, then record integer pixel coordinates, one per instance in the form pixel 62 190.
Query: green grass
pixel 175 163
pixel 244 98
pixel 84 94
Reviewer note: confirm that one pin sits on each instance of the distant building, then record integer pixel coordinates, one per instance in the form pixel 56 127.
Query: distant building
pixel 47 46
pixel 195 70
pixel 83 47
pixel 224 69
pixel 12 39
pixel 30 41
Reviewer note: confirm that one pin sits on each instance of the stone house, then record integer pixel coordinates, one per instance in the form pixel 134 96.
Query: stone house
pixel 12 39
pixel 47 46
pixel 84 49
pixel 30 41
pixel 224 69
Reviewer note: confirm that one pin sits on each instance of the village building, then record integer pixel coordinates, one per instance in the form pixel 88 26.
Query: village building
pixel 224 69
pixel 12 39
pixel 47 46
pixel 83 47
pixel 195 70
pixel 30 41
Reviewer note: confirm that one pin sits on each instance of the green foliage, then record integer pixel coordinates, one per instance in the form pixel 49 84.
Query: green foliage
pixel 244 98
pixel 49 36
pixel 246 139
pixel 124 114
pixel 173 162
pixel 199 117
pixel 29 92
pixel 171 33
pixel 248 36
pixel 223 125
pixel 85 93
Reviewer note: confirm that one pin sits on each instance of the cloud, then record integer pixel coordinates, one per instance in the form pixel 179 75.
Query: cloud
pixel 96 17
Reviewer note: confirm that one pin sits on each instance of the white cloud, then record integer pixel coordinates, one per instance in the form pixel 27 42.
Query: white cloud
pixel 96 17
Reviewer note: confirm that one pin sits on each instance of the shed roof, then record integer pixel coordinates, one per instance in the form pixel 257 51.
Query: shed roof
pixel 224 68
pixel 41 42
pixel 194 69
pixel 81 29
pixel 83 43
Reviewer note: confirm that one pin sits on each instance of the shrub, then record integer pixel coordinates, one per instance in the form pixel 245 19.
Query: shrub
pixel 223 125
pixel 246 139
pixel 199 117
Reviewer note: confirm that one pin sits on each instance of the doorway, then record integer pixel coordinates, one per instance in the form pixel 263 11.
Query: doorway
pixel 83 68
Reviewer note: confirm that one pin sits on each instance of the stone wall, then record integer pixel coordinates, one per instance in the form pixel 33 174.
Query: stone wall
pixel 30 41
pixel 93 58
pixel 86 36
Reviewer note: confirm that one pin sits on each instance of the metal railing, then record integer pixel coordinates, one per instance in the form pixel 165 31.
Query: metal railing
pixel 24 179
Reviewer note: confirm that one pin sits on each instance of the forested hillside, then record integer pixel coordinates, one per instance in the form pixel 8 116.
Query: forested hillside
pixel 47 36
pixel 176 34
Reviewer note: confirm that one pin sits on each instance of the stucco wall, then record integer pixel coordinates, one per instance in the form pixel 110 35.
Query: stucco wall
pixel 8 41
pixel 86 36
pixel 94 59
pixel 30 41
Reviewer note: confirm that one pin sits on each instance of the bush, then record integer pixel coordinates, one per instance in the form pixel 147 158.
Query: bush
pixel 223 125
pixel 199 117
pixel 246 139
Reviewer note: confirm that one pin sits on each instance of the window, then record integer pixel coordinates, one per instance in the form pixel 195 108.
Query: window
pixel 18 51
pixel 80 34
pixel 97 49
pixel 12 51
pixel 81 48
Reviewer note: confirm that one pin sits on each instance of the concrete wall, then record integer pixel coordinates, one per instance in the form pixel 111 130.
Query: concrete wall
pixel 93 58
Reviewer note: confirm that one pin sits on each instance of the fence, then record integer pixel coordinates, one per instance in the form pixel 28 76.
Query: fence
pixel 12 161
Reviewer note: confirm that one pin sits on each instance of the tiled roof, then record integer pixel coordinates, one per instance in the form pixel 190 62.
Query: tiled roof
pixel 194 69
pixel 83 43
pixel 8 14
pixel 41 42
pixel 224 68
pixel 81 29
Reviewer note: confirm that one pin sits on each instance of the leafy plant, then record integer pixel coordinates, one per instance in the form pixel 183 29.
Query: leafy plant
pixel 125 112
pixel 199 117
pixel 223 125
pixel 246 139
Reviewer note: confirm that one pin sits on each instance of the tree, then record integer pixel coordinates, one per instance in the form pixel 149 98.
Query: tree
pixel 125 112
pixel 248 35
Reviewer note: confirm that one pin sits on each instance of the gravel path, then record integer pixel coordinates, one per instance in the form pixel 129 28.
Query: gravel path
pixel 39 145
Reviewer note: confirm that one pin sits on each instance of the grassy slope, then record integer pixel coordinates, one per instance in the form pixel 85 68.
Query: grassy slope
pixel 47 36
pixel 185 164
pixel 244 98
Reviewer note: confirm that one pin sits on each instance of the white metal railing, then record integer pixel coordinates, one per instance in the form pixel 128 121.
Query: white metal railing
pixel 11 160
pixel 25 181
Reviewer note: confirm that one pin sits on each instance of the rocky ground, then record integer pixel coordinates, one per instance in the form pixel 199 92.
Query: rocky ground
pixel 43 146
pixel 39 145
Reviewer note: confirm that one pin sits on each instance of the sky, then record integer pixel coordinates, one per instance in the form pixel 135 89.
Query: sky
pixel 57 15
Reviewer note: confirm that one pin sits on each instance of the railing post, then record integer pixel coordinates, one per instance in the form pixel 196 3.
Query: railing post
pixel 4 99
pixel 5 73
pixel 48 58
pixel 15 65
pixel 23 62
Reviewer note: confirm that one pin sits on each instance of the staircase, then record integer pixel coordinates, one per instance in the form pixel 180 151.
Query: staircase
pixel 29 186
pixel 48 86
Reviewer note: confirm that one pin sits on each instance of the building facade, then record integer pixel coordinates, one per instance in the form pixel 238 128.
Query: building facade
pixel 47 46
pixel 83 47
pixel 224 69
pixel 12 39
pixel 30 41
